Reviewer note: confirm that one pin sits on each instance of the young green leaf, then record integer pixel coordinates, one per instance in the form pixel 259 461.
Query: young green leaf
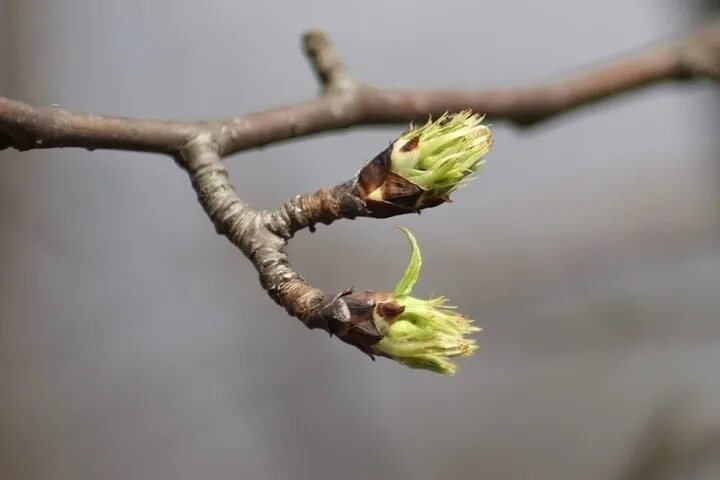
pixel 412 272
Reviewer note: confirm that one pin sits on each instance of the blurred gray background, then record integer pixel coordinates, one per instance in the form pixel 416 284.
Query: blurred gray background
pixel 135 343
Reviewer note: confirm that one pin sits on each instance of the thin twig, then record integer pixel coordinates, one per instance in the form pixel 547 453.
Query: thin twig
pixel 326 63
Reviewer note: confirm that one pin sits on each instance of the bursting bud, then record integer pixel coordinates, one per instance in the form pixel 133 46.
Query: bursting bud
pixel 424 165
pixel 420 333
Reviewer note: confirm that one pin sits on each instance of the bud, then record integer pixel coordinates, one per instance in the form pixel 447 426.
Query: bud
pixel 424 165
pixel 421 333
pixel 440 155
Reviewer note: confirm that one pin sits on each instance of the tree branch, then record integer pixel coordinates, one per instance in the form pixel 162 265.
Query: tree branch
pixel 326 63
pixel 347 103
pixel 26 127
pixel 262 235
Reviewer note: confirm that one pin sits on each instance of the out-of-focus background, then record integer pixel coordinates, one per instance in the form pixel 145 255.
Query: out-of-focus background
pixel 136 343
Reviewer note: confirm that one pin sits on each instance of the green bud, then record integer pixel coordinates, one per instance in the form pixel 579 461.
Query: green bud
pixel 421 333
pixel 440 156
pixel 424 165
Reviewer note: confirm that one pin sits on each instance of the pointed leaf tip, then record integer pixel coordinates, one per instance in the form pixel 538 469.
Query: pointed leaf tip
pixel 412 272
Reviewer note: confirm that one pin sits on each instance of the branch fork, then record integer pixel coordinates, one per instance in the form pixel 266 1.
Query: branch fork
pixel 262 235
